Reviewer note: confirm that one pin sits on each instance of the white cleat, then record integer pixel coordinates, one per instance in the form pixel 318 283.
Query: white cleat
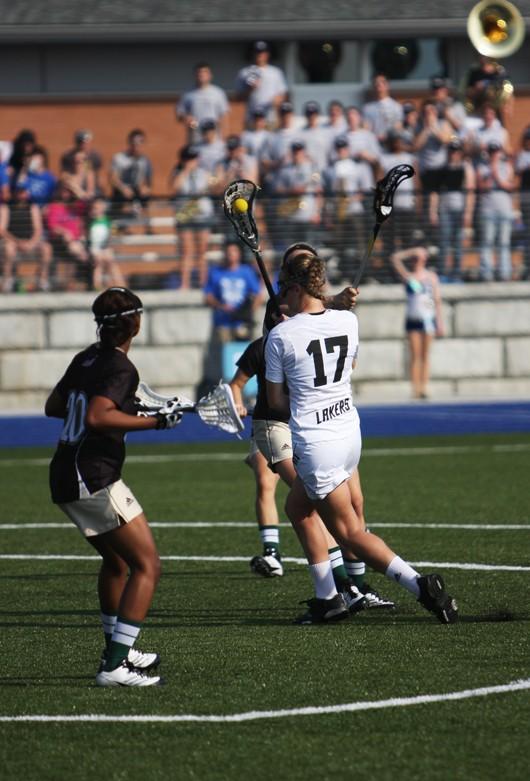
pixel 143 661
pixel 126 675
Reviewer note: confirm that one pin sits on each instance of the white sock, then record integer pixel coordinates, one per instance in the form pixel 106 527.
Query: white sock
pixel 322 575
pixel 270 535
pixel 402 573
pixel 108 623
pixel 354 567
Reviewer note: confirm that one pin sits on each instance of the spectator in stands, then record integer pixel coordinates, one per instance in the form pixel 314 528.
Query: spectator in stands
pixel 454 208
pixel 256 135
pixel 22 233
pixel 212 148
pixel 409 131
pixel 345 183
pixel 81 179
pixel 522 169
pixel 23 147
pixel 484 82
pixel 39 181
pixel 363 144
pixel 233 292
pixel 5 189
pixel 315 136
pixel 277 151
pixel 190 184
pixel 424 316
pixel 399 229
pixel 83 143
pixel 236 164
pixel 66 228
pixel 206 101
pixel 384 113
pixel 431 148
pixel 300 209
pixel 490 132
pixel 262 84
pixel 131 176
pixel 335 124
pixel 449 109
pixel 495 183
pixel 106 270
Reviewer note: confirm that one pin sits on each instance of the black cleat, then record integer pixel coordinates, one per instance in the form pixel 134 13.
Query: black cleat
pixel 434 598
pixel 269 565
pixel 323 611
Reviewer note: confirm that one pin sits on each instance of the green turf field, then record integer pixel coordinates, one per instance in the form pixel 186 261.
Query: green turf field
pixel 228 644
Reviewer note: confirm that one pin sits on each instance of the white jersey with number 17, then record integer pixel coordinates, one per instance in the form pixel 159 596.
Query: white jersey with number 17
pixel 314 354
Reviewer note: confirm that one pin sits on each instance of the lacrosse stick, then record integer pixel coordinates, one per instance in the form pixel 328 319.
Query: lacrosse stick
pixel 238 200
pixel 383 201
pixel 217 408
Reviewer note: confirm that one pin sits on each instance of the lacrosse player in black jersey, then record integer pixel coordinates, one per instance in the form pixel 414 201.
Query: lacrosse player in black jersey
pixel 96 400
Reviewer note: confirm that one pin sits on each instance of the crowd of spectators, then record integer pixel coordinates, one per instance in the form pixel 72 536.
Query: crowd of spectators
pixel 316 171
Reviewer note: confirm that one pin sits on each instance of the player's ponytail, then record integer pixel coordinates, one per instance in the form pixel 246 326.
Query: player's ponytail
pixel 306 270
pixel 117 312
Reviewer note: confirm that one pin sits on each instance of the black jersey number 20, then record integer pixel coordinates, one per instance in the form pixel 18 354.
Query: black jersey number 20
pixel 314 349
pixel 74 423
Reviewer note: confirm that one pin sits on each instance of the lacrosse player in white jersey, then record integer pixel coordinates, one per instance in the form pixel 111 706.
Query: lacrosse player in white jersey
pixel 314 353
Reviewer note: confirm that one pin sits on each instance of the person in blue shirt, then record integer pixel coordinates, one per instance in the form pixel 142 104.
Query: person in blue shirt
pixel 38 181
pixel 4 183
pixel 233 291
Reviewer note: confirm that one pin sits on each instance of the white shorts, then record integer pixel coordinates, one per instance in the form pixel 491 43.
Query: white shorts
pixel 322 466
pixel 104 510
pixel 273 440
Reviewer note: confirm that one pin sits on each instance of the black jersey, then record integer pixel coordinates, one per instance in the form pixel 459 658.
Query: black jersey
pixel 252 362
pixel 87 460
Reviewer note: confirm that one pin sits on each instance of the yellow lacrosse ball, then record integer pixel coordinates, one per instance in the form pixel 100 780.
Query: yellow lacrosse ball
pixel 240 205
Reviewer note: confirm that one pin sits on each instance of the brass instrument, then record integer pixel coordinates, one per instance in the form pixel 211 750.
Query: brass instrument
pixel 496 29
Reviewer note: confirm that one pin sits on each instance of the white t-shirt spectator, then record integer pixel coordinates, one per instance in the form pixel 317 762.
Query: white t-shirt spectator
pixel 383 115
pixel 346 177
pixel 270 82
pixel 204 103
pixel 210 155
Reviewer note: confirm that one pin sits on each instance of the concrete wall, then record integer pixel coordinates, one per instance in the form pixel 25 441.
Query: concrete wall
pixel 486 353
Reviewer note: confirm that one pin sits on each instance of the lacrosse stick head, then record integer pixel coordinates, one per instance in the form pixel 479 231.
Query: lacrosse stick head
pixel 242 218
pixel 218 409
pixel 385 189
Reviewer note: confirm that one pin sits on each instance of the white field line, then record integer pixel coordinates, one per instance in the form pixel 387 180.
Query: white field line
pixel 288 559
pixel 253 525
pixel 367 453
pixel 315 710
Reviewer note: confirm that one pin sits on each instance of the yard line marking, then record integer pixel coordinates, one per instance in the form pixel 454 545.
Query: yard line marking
pixel 288 559
pixel 253 525
pixel 314 710
pixel 367 453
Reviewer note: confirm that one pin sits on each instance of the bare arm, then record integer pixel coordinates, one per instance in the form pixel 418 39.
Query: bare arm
pixel 440 328
pixel 103 415
pixel 277 398
pixel 237 383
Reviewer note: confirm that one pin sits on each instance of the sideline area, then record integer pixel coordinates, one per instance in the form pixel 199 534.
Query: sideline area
pixel 389 420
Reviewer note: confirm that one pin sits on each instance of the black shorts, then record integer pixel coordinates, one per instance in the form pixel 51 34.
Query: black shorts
pixel 427 326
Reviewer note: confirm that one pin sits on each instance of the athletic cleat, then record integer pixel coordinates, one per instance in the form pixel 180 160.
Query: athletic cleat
pixel 127 675
pixel 269 565
pixel 142 661
pixel 353 598
pixel 372 599
pixel 434 598
pixel 323 611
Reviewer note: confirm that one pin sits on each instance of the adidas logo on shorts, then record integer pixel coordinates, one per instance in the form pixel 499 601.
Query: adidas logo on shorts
pixel 286 447
pixel 128 500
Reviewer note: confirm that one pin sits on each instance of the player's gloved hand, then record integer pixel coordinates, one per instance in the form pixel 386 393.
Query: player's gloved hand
pixel 168 416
